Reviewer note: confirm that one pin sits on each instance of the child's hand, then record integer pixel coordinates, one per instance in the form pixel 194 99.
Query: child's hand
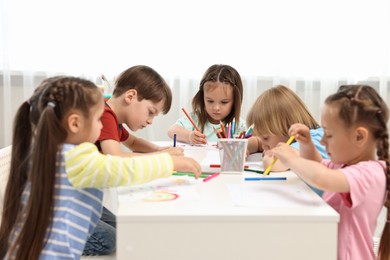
pixel 267 158
pixel 301 132
pixel 178 151
pixel 284 153
pixel 186 164
pixel 196 137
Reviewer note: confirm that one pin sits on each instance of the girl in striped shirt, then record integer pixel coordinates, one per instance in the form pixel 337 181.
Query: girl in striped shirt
pixel 53 198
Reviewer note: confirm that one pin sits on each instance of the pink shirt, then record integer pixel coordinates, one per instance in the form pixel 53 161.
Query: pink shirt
pixel 358 209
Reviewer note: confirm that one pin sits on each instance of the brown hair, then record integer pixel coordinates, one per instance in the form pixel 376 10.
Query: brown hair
pixel 38 133
pixel 223 74
pixel 276 109
pixel 148 83
pixel 362 105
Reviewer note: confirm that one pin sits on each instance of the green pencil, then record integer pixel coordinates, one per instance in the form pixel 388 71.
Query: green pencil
pixel 252 170
pixel 189 174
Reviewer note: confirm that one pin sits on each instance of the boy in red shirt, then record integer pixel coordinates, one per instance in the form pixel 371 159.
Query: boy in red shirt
pixel 139 95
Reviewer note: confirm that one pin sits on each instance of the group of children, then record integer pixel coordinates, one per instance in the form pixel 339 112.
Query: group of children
pixel 66 121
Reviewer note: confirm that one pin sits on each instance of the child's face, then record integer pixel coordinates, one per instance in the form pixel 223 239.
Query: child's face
pixel 337 138
pixel 141 113
pixel 269 141
pixel 90 131
pixel 218 99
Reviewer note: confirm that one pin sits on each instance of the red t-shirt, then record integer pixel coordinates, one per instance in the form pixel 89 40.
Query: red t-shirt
pixel 111 129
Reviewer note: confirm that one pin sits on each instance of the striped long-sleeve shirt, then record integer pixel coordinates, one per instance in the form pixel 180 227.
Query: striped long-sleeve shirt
pixel 83 170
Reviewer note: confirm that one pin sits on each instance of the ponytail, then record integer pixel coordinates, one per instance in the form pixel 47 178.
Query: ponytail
pixel 21 146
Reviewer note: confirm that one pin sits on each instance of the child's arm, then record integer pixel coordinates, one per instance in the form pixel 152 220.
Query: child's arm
pixel 138 145
pixel 312 172
pixel 186 136
pixel 254 144
pixel 306 146
pixel 87 167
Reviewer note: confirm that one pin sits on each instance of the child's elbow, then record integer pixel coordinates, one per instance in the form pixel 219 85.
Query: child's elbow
pixel 171 131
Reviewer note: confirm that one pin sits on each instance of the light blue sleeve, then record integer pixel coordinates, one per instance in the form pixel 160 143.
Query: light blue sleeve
pixel 241 126
pixel 186 123
pixel 316 136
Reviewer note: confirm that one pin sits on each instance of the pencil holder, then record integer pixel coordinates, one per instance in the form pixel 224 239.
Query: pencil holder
pixel 232 153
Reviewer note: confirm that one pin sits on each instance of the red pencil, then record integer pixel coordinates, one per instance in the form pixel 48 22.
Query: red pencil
pixel 223 129
pixel 189 118
pixel 218 133
pixel 219 166
pixel 210 177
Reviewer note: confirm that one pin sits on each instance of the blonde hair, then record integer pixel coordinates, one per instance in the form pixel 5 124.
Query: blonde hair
pixel 276 109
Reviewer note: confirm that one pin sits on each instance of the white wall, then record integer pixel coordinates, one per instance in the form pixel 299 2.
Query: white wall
pixel 312 93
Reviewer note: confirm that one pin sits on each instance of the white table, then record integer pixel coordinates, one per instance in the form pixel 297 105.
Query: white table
pixel 225 218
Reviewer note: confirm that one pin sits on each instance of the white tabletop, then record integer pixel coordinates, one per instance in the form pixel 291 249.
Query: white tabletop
pixel 226 196
pixel 279 213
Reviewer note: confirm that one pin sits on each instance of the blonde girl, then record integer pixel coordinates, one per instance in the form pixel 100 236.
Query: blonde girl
pixel 272 114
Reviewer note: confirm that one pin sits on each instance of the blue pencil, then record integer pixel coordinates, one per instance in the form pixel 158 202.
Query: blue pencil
pixel 265 178
pixel 174 140
pixel 247 133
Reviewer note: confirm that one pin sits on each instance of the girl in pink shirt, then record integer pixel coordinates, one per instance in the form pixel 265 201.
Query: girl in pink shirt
pixel 356 137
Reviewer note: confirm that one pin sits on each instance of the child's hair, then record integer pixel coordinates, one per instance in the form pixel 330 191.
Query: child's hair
pixel 362 105
pixel 38 133
pixel 276 109
pixel 224 74
pixel 148 83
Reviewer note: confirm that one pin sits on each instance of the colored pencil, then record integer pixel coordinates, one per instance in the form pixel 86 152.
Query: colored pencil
pixel 219 166
pixel 174 140
pixel 233 127
pixel 266 172
pixel 265 178
pixel 189 118
pixel 108 83
pixel 253 170
pixel 189 174
pixel 223 129
pixel 250 129
pixel 217 132
pixel 211 177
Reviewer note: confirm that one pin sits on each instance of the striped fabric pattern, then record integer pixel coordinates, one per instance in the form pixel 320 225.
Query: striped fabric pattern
pixel 87 167
pixel 78 197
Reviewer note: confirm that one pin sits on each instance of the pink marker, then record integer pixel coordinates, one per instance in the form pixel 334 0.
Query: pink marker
pixel 210 177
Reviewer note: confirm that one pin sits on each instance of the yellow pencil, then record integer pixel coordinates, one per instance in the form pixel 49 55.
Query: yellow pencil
pixel 266 172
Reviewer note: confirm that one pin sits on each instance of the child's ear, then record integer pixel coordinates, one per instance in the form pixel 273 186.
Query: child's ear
pixel 74 123
pixel 361 135
pixel 130 95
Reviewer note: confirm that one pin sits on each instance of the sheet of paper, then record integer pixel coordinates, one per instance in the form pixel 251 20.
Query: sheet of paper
pixel 165 189
pixel 271 194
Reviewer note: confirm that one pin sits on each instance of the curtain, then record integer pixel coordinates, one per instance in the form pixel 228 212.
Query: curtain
pixel 310 46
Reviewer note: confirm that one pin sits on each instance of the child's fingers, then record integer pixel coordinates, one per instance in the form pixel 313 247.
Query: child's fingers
pixel 186 164
pixel 198 138
pixel 199 135
pixel 176 151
